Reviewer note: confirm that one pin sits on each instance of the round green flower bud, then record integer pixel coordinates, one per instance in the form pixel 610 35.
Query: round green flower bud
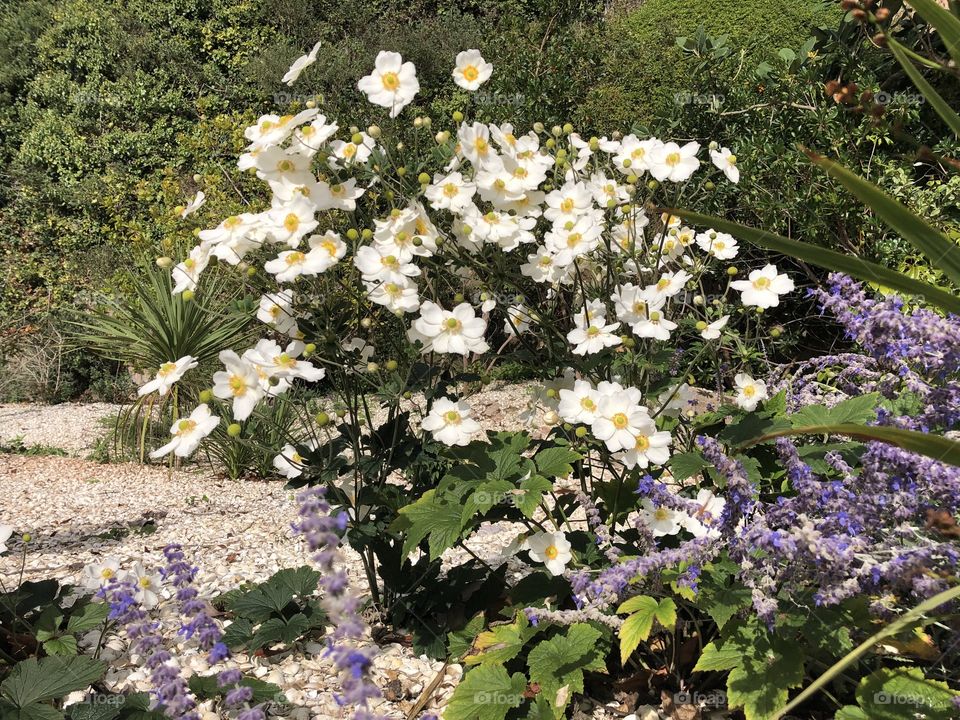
pixel 374 132
pixel 366 323
pixel 551 393
pixel 629 343
pixel 458 298
pixel 401 171
pixel 388 194
pixel 391 365
pixel 442 137
pixel 187 295
pixel 632 179
pixel 418 122
pixel 580 432
pixel 251 271
pixel 309 349
pixel 457 116
pixel 322 419
pixel 427 122
pixel 759 310
pixel 206 396
pixel 341 412
pixel 352 234
pixel 407 395
pixel 567 128
pixel 538 127
pixel 26 537
pixel 417 241
pixel 366 233
pixel 709 185
pixel 701 325
pixel 234 430
pixel 551 143
pixel 776 331
pixel 627 162
pixel 731 271
pixel 556 130
pixel 561 153
pixel 653 185
pixel 713 145
pixel 611 204
pixel 197 177
pixel 356 138
pixel 164 262
pixel 423 178
pixel 372 367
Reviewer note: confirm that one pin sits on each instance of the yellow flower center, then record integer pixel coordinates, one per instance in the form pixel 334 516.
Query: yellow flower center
pixel 663 284
pixel 452 417
pixel 520 172
pixel 567 205
pixel 640 307
pixel 749 391
pixel 593 331
pixel 291 222
pixel 661 513
pixel 390 261
pixel 620 421
pixel 588 404
pixel 470 73
pixel 238 385
pixel 638 153
pixel 295 258
pixel 106 573
pixel 450 190
pixel 393 289
pixel 231 222
pixel 349 150
pixel 573 239
pixel 453 325
pixel 166 369
pixel 673 158
pixel 144 582
pixel 551 552
pixel 719 245
pixel 481 146
pixel 186 426
pixel 284 360
pixel 390 81
pixel 499 184
pixel 643 443
pixel 285 166
pixel 761 283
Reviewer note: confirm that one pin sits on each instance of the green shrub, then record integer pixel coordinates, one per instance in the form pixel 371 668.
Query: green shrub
pixel 645 69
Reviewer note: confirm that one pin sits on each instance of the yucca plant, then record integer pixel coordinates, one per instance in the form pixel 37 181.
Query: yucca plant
pixel 153 326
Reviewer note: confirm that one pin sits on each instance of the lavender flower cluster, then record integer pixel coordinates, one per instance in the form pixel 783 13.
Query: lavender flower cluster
pixel 322 528
pixel 845 531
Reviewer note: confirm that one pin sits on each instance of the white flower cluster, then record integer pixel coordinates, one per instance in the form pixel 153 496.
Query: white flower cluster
pixel 565 208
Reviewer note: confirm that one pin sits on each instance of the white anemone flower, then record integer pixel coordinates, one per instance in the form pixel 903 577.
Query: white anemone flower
pixel 186 274
pixel 661 520
pixel 273 130
pixel 291 222
pixel 310 138
pixel 239 382
pixel 713 330
pixel 350 153
pixel 289 463
pixel 763 287
pixel 458 331
pixel 385 263
pixel 580 404
pixel 148 585
pixel 474 143
pixel 594 337
pixel 726 161
pixel 674 163
pixel 5 532
pixel 471 70
pixel 167 375
pixel 551 549
pixel 191 207
pixel 299 65
pixel 750 392
pixel 650 447
pixel 721 245
pixel 396 297
pixel 449 422
pixel 707 518
pixel 450 192
pixel 276 310
pixel 325 251
pixel 188 432
pixel 98 574
pixel 392 84
pixel 619 419
pixel 276 362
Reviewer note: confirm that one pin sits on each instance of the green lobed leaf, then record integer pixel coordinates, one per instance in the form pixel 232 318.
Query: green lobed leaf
pixel 829 259
pixel 87 616
pixel 556 461
pixel 760 684
pixel 533 489
pixel 859 409
pixel 35 680
pixel 435 517
pixel 561 661
pixel 894 693
pixel 716 657
pixel 459 642
pixel 486 693
pixel 686 465
pixel 501 643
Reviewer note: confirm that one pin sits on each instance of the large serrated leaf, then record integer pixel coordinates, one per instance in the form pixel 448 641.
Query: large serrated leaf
pixel 761 683
pixel 35 680
pixel 501 643
pixel 561 661
pixel 435 517
pixel 556 461
pixel 486 693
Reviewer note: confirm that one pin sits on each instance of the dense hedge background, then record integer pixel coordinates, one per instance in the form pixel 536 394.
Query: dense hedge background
pixel 114 112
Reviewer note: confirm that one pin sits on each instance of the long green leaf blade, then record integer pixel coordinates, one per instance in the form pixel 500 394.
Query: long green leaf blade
pixel 946 23
pixel 940 105
pixel 941 251
pixel 829 259
pixel 933 446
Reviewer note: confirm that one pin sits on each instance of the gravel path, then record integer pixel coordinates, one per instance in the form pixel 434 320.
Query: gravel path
pixel 80 512
pixel 71 427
